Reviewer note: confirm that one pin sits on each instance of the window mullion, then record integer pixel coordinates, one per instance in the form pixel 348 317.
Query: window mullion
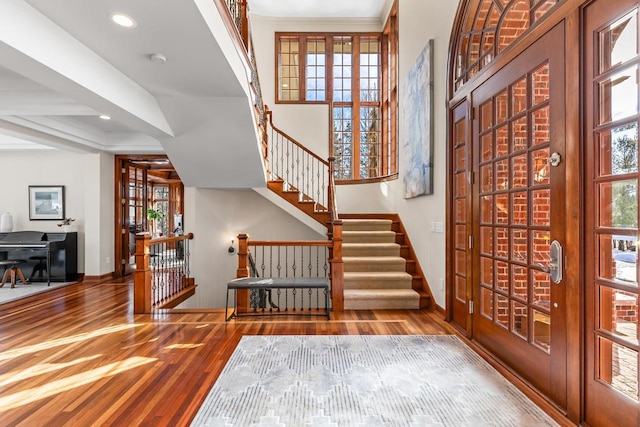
pixel 384 102
pixel 355 98
pixel 329 88
pixel 302 68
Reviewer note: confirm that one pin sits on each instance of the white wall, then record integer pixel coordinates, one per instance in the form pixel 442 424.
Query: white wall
pixel 20 169
pixel 217 216
pixel 99 213
pixel 419 21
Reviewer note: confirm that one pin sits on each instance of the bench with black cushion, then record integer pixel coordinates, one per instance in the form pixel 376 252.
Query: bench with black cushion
pixel 268 283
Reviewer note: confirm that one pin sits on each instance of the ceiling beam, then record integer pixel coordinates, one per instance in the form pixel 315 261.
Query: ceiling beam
pixel 41 103
pixel 35 47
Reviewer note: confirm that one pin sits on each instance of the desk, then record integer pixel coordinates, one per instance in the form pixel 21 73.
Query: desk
pixel 268 283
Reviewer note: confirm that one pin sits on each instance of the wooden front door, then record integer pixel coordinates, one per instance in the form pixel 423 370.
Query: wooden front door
pixel 518 215
pixel 460 220
pixel 611 65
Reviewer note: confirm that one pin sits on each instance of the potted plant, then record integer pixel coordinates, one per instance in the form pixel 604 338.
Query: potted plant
pixel 66 224
pixel 153 215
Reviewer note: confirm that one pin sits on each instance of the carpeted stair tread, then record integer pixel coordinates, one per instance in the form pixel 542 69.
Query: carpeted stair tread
pixel 366 224
pixel 369 236
pixel 381 299
pixel 370 249
pixel 374 263
pixel 375 273
pixel 378 280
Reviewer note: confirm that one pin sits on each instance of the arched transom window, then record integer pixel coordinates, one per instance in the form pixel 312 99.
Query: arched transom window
pixel 489 27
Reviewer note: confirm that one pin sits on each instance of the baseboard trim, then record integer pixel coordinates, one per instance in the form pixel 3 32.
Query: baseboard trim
pixel 95 280
pixel 440 311
pixel 531 392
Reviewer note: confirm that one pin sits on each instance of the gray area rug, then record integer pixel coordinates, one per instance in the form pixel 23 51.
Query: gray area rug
pixel 8 294
pixel 363 381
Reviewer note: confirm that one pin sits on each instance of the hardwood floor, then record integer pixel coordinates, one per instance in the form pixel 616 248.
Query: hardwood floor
pixel 78 356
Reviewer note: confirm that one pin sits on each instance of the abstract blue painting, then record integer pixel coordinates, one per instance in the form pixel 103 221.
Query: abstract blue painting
pixel 417 126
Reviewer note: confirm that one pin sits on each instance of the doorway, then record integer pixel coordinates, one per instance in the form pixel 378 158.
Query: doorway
pixel 544 178
pixel 144 182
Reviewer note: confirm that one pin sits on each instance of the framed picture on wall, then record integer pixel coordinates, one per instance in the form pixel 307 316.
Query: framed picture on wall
pixel 46 202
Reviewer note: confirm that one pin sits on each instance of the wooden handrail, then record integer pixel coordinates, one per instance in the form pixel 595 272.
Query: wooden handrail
pixel 172 239
pixel 289 243
pixel 233 30
pixel 302 147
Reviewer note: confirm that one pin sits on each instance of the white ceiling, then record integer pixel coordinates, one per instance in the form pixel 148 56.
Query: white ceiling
pixel 62 64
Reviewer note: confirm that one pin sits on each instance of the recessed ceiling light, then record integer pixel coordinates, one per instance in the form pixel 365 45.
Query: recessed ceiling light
pixel 105 117
pixel 123 20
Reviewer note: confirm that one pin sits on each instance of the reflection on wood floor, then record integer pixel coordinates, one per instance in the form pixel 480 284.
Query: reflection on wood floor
pixel 79 356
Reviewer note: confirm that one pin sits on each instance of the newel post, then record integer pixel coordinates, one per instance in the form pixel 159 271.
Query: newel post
pixel 142 275
pixel 265 138
pixel 337 268
pixel 244 23
pixel 242 298
pixel 330 190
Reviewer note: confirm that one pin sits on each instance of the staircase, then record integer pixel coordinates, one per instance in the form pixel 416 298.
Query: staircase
pixel 380 268
pixel 376 276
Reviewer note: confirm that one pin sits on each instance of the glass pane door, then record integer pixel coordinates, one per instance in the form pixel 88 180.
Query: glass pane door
pixel 135 216
pixel 519 194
